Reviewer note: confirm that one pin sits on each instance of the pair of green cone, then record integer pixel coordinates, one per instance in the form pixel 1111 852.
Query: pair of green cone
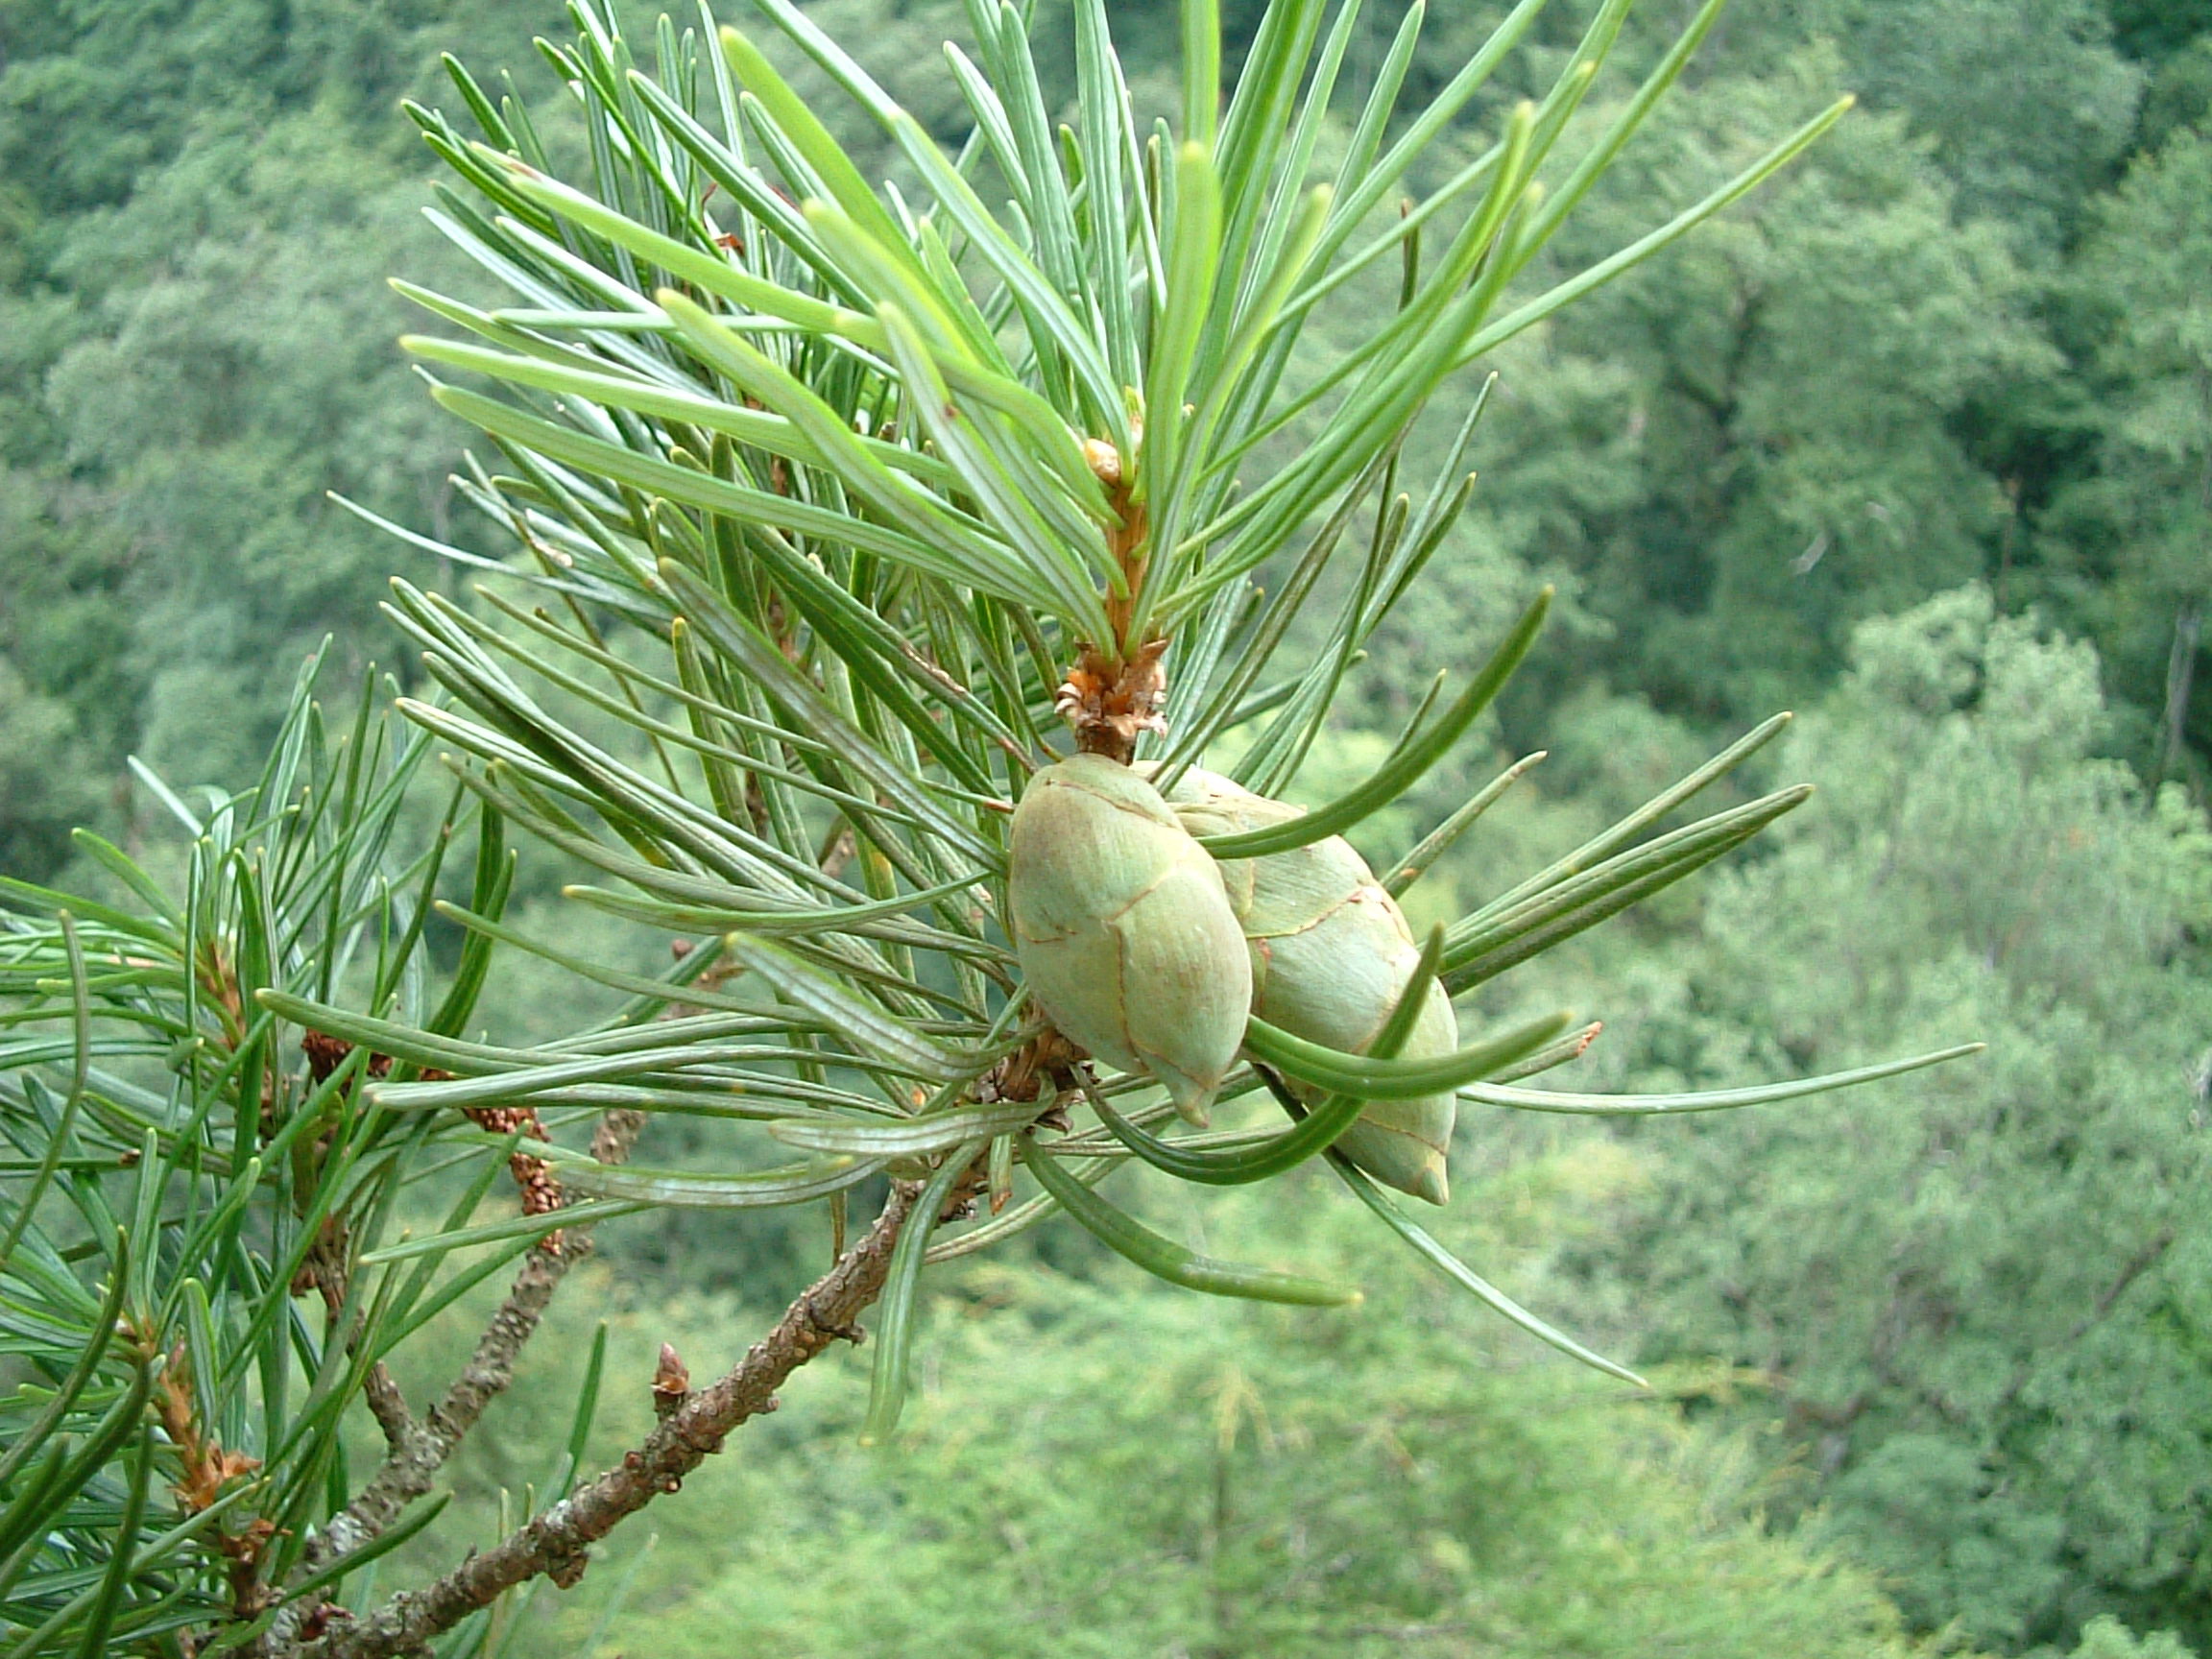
pixel 1150 953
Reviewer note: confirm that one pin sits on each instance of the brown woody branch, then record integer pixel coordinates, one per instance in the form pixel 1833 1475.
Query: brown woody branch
pixel 389 1406
pixel 420 1448
pixel 555 1544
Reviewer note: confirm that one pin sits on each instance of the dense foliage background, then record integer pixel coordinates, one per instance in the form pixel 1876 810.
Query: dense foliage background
pixel 1918 442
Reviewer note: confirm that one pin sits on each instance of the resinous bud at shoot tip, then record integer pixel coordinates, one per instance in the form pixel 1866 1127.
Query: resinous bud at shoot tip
pixel 1123 929
pixel 1331 952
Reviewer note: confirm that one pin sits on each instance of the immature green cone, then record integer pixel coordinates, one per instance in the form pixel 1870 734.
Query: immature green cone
pixel 1124 931
pixel 1331 952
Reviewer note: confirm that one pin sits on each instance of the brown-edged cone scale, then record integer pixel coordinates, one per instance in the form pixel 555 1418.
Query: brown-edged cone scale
pixel 1331 952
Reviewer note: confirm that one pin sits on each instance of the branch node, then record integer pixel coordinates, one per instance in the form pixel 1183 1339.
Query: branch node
pixel 847 1331
pixel 1111 702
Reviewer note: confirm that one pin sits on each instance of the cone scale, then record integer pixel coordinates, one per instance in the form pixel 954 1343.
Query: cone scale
pixel 1124 931
pixel 1331 952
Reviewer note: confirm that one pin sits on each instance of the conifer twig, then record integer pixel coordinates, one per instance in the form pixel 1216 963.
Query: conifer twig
pixel 421 1447
pixel 556 1543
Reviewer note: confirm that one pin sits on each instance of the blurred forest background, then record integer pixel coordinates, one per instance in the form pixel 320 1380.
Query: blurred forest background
pixel 1917 441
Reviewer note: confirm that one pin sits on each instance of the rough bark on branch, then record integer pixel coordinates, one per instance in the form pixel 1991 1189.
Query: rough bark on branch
pixel 556 1543
pixel 420 1448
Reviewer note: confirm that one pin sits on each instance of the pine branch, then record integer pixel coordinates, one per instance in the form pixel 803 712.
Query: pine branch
pixel 555 1544
pixel 389 1406
pixel 419 1448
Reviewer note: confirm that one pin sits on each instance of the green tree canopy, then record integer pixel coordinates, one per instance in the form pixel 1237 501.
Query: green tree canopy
pixel 1982 1304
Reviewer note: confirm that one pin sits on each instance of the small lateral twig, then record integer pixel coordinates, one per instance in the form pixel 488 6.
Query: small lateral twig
pixel 389 1406
pixel 556 1543
pixel 420 1448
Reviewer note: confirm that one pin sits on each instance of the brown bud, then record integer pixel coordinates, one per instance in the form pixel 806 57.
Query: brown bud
pixel 671 1384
